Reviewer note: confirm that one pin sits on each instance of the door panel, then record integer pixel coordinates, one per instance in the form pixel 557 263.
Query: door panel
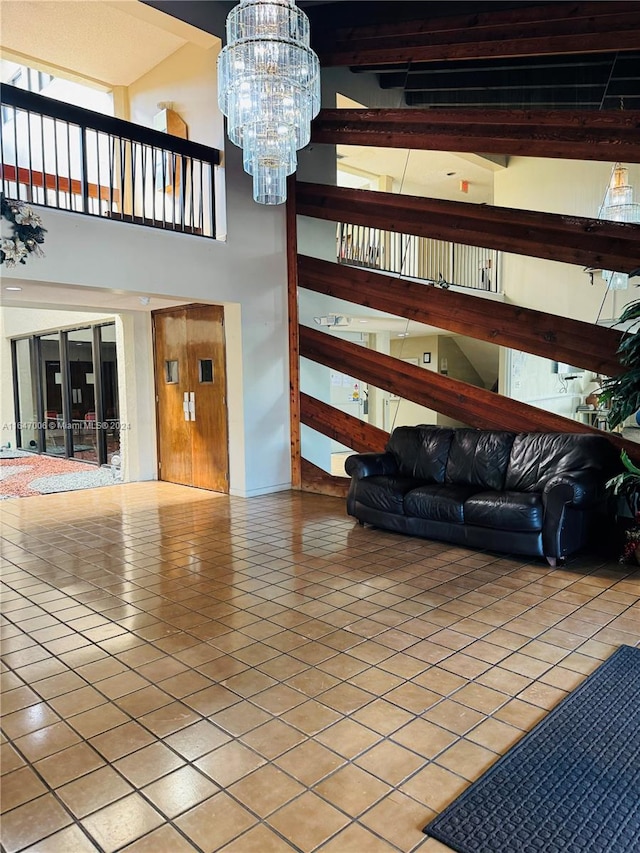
pixel 190 360
pixel 208 372
pixel 172 381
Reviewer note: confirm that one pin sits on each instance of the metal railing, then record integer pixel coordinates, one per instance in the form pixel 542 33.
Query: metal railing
pixel 433 261
pixel 58 155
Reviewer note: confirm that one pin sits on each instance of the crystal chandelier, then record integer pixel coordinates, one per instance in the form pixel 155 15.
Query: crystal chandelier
pixel 269 90
pixel 619 207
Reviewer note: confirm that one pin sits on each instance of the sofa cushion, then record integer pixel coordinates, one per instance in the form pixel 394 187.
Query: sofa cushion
pixel 421 451
pixel 505 510
pixel 537 457
pixel 479 458
pixel 438 502
pixel 384 493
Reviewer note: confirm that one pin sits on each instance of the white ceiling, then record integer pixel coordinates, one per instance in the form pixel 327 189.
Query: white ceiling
pixel 113 43
pixel 36 294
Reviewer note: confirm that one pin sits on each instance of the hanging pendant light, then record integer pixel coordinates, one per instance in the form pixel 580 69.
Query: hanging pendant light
pixel 619 207
pixel 269 90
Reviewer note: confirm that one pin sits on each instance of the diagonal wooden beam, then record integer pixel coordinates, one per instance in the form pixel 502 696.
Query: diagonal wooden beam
pixel 352 432
pixel 557 237
pixel 549 29
pixel 315 480
pixel 467 403
pixel 548 335
pixel 574 134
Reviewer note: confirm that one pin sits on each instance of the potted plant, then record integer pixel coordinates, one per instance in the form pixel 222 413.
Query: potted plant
pixel 626 486
pixel 621 396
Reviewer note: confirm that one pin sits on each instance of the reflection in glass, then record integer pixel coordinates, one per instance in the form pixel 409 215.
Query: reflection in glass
pixel 109 377
pixel 83 397
pixel 27 402
pixel 51 375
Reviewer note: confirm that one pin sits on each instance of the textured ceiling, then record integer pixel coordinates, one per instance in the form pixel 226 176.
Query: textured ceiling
pixel 112 43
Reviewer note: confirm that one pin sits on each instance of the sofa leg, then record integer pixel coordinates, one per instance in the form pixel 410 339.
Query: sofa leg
pixel 553 562
pixel 360 522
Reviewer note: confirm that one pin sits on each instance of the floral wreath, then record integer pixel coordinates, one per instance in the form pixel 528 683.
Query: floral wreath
pixel 27 234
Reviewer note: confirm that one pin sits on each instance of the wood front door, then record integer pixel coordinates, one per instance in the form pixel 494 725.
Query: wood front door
pixel 191 409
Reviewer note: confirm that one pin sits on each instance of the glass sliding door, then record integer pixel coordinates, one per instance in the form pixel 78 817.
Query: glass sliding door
pixel 25 384
pixel 109 391
pixel 82 390
pixel 66 393
pixel 51 377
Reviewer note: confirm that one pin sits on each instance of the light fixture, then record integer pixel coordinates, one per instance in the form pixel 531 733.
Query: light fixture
pixel 619 206
pixel 269 90
pixel 333 320
pixel 13 288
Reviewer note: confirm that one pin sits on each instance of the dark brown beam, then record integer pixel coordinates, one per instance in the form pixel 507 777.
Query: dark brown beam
pixel 459 400
pixel 294 359
pixel 557 237
pixel 562 28
pixel 548 335
pixel 574 134
pixel 316 480
pixel 352 432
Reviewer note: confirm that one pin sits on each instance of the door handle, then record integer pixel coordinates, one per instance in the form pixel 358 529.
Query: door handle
pixel 192 405
pixel 185 405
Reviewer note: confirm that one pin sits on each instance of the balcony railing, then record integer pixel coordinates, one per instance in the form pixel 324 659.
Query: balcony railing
pixel 58 155
pixel 433 261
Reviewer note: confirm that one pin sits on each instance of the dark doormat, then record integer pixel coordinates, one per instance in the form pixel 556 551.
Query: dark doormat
pixel 572 785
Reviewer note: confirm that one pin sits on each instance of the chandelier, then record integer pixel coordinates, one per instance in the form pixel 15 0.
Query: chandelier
pixel 619 206
pixel 269 90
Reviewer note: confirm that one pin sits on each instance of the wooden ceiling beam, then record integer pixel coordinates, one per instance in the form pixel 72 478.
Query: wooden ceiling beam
pixel 466 403
pixel 550 29
pixel 547 335
pixel 574 134
pixel 570 239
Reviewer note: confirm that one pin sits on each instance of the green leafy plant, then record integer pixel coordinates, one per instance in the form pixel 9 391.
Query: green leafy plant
pixel 621 394
pixel 626 484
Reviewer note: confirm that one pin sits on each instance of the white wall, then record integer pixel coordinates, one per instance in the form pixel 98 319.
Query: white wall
pixel 573 187
pixel 248 271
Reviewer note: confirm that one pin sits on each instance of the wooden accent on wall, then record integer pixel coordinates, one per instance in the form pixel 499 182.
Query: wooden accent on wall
pixel 316 480
pixel 459 400
pixel 294 348
pixel 352 432
pixel 575 134
pixel 557 237
pixel 591 27
pixel 548 335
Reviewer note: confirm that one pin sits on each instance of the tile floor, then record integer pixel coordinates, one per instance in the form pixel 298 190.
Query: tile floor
pixel 186 671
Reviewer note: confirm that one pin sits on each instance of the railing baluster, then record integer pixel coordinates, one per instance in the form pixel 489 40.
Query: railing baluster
pixel 124 154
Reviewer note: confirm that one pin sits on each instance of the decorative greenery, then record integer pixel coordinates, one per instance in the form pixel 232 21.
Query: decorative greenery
pixel 626 484
pixel 631 542
pixel 27 233
pixel 621 394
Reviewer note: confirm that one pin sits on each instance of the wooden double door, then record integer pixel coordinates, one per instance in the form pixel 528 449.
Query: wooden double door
pixel 191 396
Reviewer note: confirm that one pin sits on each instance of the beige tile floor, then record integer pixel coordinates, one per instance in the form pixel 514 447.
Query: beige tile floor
pixel 187 671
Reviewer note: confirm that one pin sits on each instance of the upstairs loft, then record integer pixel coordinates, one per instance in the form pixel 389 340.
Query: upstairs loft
pixel 66 157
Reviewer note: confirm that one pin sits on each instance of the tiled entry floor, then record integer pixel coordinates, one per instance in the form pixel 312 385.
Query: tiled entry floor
pixel 185 671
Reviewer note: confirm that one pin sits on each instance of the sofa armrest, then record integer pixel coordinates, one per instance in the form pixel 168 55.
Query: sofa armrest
pixel 580 490
pixel 362 465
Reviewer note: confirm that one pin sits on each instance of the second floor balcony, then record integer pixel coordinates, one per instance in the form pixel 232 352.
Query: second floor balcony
pixel 66 157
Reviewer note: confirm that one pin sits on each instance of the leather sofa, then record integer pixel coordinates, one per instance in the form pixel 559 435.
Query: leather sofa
pixel 538 494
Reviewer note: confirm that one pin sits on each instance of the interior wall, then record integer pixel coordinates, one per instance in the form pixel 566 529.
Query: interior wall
pixel 247 271
pixel 187 81
pixel 572 187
